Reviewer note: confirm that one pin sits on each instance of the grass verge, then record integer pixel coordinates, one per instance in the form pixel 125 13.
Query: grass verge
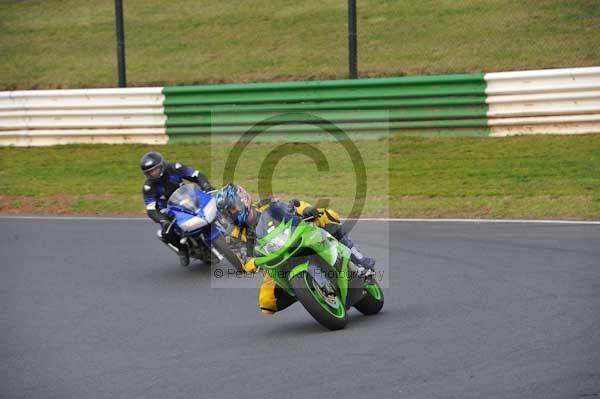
pixel 516 177
pixel 71 43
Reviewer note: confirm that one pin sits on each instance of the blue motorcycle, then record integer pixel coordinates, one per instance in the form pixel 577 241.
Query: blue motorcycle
pixel 198 223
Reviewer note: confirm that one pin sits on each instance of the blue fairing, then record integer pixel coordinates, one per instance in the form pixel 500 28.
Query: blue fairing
pixel 203 198
pixel 214 233
pixel 181 217
pixel 193 208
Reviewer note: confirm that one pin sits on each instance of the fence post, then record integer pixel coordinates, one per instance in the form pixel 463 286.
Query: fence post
pixel 120 43
pixel 352 40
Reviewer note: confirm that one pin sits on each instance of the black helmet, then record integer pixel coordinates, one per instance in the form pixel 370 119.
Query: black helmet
pixel 152 165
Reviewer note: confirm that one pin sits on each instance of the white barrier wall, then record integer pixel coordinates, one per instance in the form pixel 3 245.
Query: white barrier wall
pixel 554 101
pixel 114 116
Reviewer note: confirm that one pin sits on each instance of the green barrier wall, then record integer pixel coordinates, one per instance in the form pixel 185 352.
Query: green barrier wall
pixel 449 105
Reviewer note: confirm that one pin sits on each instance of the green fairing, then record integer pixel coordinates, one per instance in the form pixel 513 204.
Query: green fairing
pixel 298 269
pixel 308 236
pixel 264 261
pixel 342 279
pixel 374 291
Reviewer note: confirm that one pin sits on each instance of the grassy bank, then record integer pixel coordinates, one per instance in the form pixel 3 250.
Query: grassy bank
pixel 518 177
pixel 70 43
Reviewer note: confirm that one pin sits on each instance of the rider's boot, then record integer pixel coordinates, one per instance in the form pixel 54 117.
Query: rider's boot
pixel 356 256
pixel 181 249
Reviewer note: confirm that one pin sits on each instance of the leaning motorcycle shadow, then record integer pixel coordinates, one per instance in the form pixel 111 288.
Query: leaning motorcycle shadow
pixel 195 271
pixel 356 322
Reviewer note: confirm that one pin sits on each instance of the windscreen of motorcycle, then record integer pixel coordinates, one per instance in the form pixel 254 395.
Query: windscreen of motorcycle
pixel 185 198
pixel 272 217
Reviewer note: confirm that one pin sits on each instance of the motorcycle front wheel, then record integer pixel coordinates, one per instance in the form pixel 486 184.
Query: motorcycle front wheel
pixel 329 311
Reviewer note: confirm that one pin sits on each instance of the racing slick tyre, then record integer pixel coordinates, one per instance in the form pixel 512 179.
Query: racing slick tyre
pixel 329 311
pixel 373 300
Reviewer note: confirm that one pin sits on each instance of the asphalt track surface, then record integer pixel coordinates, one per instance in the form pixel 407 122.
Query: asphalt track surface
pixel 100 309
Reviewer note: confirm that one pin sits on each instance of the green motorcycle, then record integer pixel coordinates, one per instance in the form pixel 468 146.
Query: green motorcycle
pixel 313 267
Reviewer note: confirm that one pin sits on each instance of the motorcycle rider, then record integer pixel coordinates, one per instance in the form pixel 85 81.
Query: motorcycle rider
pixel 162 179
pixel 234 202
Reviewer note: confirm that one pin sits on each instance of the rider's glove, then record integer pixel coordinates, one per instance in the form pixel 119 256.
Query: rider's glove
pixel 206 186
pixel 311 212
pixel 292 205
pixel 250 266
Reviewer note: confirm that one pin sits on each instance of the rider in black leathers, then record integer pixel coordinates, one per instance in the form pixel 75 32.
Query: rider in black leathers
pixel 162 179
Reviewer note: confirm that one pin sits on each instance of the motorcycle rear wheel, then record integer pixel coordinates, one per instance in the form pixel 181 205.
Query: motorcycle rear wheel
pixel 373 300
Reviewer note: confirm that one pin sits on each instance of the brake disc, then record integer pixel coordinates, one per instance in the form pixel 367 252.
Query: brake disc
pixel 331 299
